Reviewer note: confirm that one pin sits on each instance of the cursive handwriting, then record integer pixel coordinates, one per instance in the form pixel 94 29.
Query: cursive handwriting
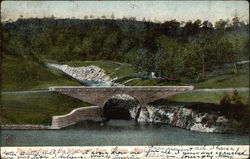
pixel 128 152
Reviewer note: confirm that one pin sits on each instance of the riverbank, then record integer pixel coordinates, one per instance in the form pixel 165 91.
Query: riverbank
pixel 201 117
pixel 174 115
pixel 25 127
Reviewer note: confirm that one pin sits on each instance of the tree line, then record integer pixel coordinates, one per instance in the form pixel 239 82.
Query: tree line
pixel 185 51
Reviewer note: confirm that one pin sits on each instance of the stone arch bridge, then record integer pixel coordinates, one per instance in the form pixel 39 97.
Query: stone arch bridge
pixel 100 95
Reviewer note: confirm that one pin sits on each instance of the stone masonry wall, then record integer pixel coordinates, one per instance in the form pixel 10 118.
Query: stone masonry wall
pixel 77 115
pixel 99 95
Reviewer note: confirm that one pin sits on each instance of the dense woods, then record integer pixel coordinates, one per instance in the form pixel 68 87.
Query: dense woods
pixel 180 50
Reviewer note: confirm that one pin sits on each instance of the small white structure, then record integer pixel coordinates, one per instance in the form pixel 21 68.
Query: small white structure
pixel 153 75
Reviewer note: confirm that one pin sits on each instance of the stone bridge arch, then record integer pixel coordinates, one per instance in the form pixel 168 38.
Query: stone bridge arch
pixel 121 94
pixel 121 106
pixel 98 95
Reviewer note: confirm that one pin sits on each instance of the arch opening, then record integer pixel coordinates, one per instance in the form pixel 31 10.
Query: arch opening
pixel 121 107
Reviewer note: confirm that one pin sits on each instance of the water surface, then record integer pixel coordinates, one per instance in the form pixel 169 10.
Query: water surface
pixel 118 132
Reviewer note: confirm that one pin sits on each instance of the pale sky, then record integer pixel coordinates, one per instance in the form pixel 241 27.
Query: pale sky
pixel 160 10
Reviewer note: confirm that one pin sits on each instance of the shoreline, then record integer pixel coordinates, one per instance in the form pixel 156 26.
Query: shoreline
pixel 25 127
pixel 48 127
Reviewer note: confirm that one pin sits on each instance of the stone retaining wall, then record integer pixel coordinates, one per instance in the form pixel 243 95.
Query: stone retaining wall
pixel 77 115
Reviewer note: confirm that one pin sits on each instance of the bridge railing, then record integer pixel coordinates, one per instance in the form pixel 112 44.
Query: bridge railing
pixel 137 88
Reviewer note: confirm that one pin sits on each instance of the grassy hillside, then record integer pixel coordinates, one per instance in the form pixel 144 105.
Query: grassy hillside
pixel 37 108
pixel 151 82
pixel 226 81
pixel 123 72
pixel 22 74
pixel 227 78
pixel 168 49
pixel 209 97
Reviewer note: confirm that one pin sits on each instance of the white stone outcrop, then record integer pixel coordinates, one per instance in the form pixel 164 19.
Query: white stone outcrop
pixel 90 74
pixel 188 119
pixel 179 116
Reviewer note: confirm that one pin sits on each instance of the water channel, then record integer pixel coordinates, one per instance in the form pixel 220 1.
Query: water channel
pixel 118 132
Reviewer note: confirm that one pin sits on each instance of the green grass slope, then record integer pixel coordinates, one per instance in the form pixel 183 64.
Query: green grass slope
pixel 36 108
pixel 23 74
pixel 206 97
pixel 123 72
pixel 229 79
pixel 226 81
pixel 152 82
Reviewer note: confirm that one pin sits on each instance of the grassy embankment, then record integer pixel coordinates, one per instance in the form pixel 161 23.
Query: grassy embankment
pixel 228 80
pixel 207 97
pixel 37 108
pixel 123 72
pixel 23 74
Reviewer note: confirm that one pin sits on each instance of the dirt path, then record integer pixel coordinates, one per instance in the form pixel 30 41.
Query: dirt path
pixel 219 89
pixel 24 92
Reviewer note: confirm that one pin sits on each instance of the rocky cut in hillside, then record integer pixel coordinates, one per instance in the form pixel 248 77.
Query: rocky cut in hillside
pixel 190 116
pixel 91 75
pixel 190 119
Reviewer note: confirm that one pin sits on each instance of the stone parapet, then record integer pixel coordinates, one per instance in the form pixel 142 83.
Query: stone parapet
pixel 125 88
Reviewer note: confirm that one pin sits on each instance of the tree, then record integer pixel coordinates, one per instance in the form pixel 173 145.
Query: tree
pixel 132 18
pixel 87 47
pixel 169 58
pixel 171 28
pixel 86 17
pixel 112 16
pixel 235 22
pixel 144 61
pixel 207 25
pixel 236 47
pixel 103 17
pixel 110 45
pixel 221 24
pixel 204 52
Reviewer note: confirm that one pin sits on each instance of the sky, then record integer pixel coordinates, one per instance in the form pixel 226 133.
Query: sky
pixel 150 10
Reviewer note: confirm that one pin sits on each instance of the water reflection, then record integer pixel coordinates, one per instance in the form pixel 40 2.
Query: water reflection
pixel 118 132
